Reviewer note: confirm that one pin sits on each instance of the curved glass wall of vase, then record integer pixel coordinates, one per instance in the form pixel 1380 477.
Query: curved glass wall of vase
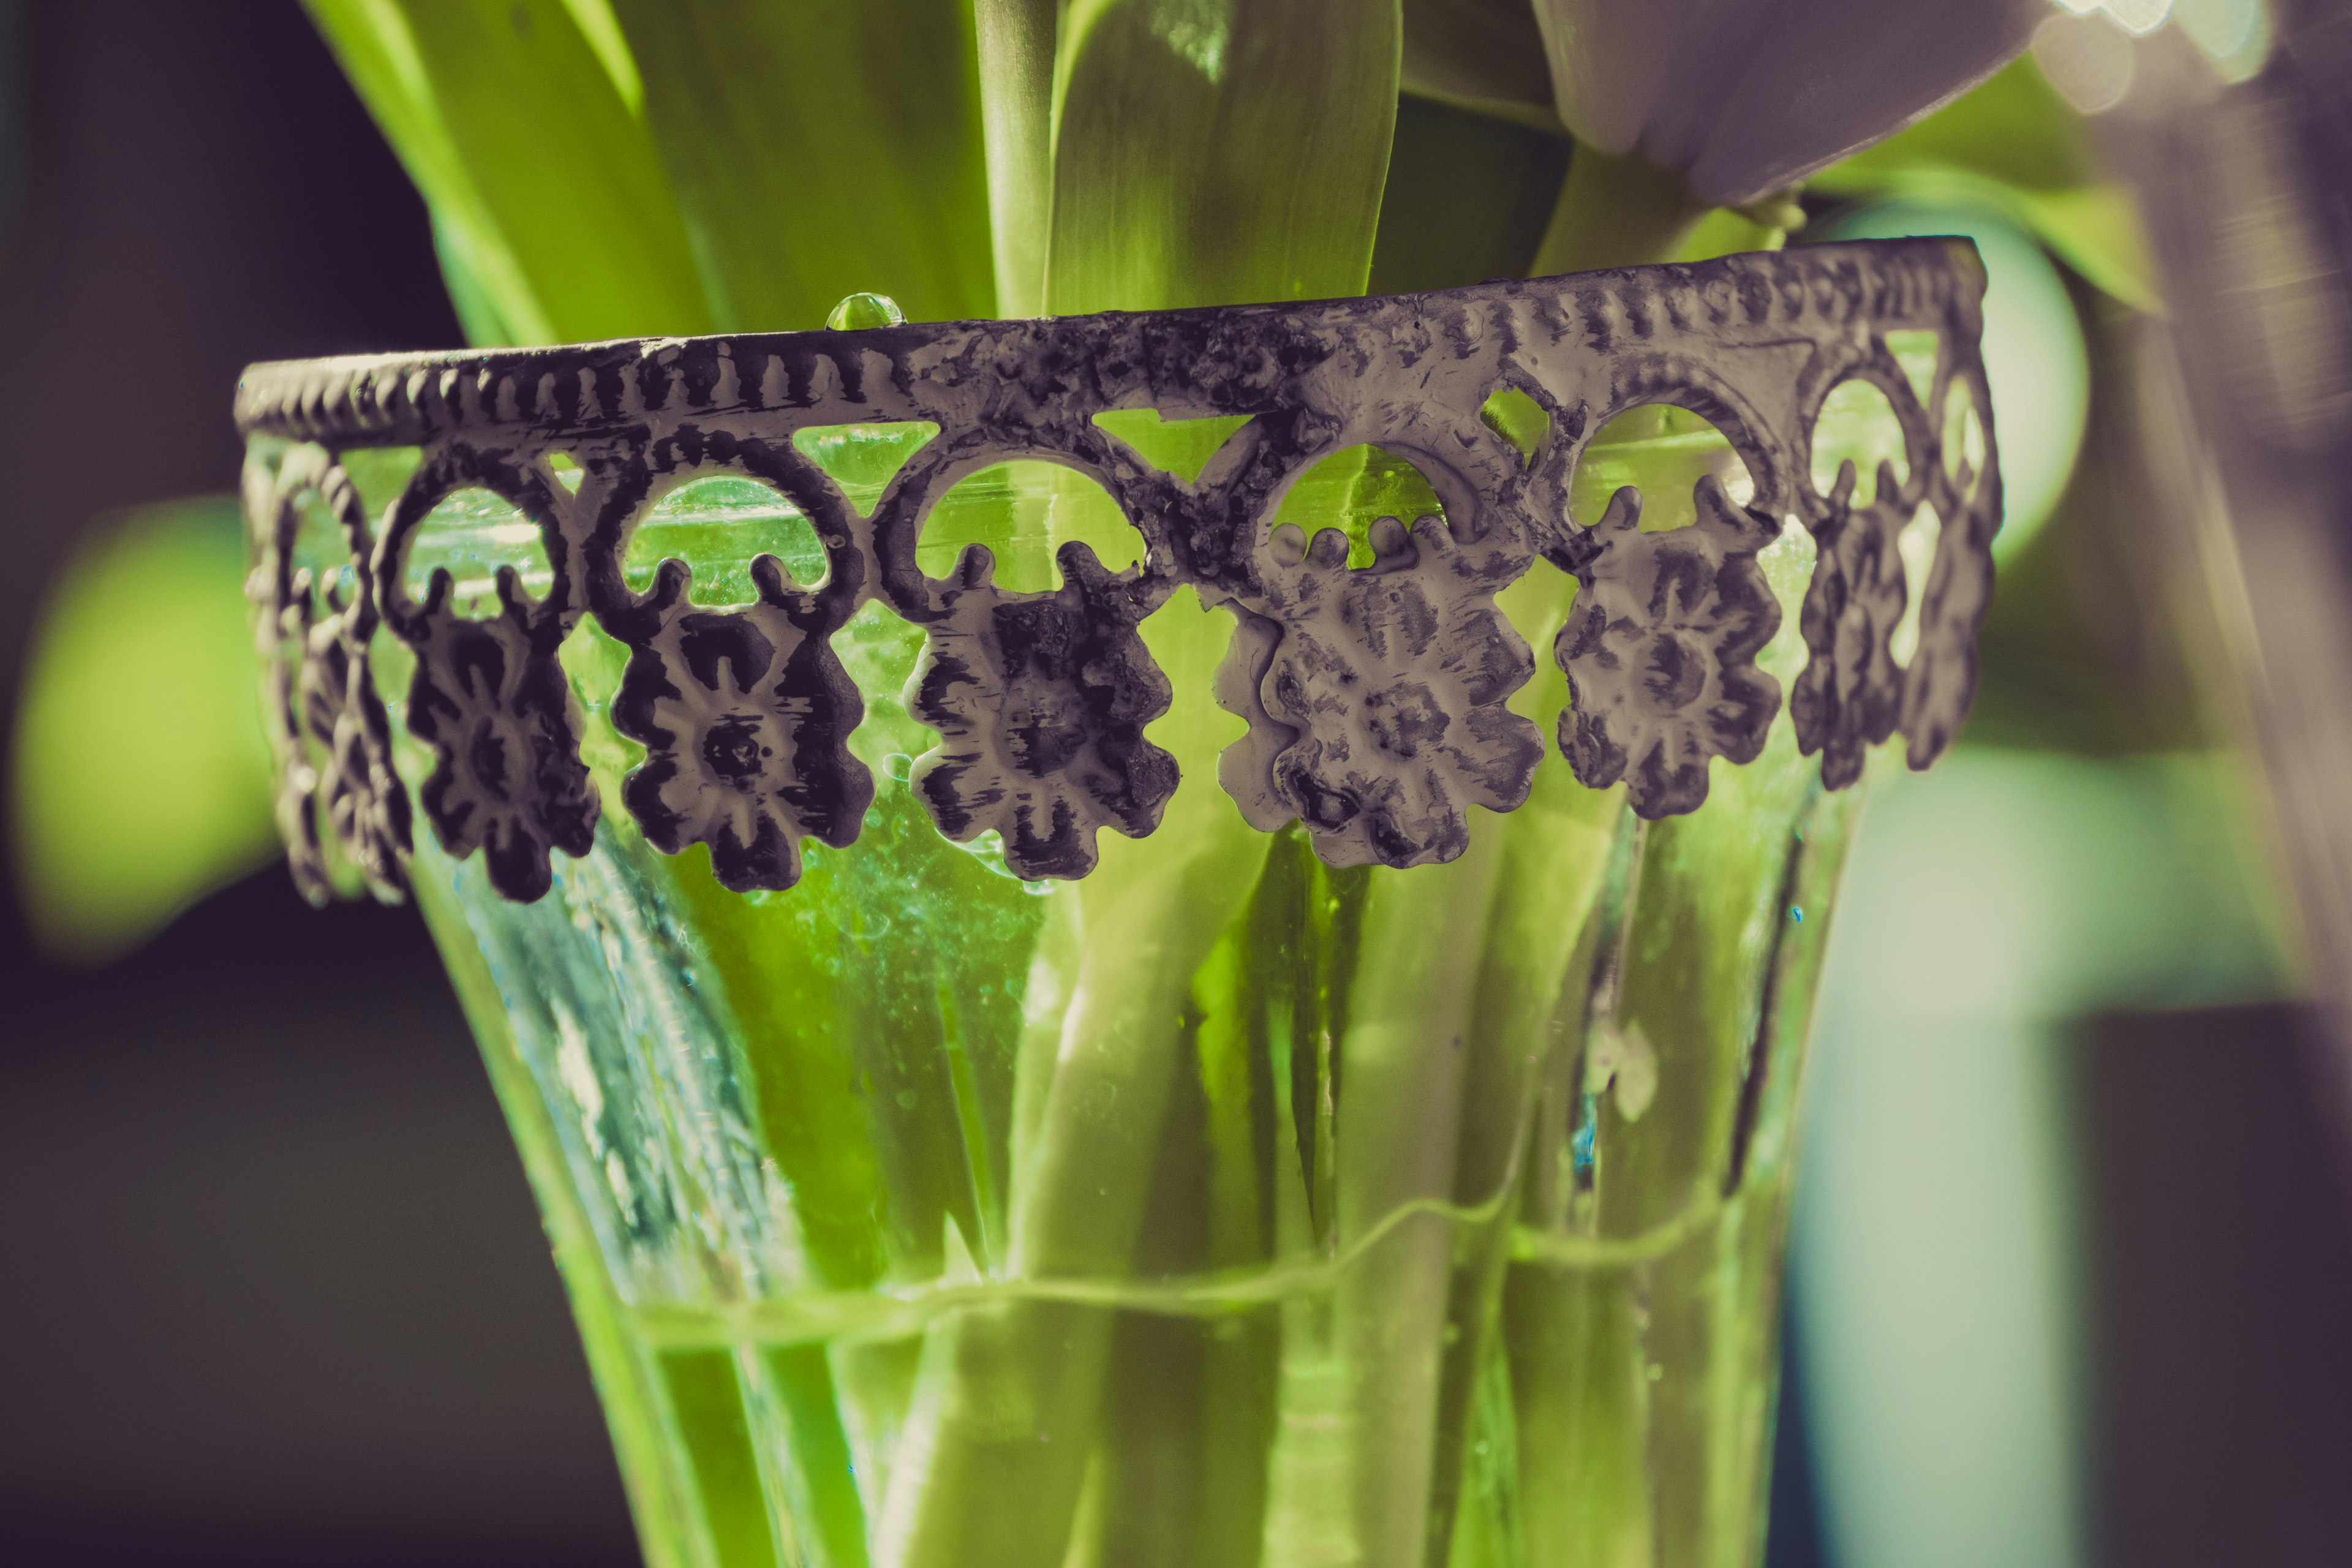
pixel 1375 1142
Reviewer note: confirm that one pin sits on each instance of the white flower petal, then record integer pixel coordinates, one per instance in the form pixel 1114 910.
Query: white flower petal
pixel 1714 54
pixel 1834 76
pixel 1747 96
pixel 1609 62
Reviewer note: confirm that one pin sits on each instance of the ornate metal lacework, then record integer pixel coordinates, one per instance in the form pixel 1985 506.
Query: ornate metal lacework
pixel 328 728
pixel 1373 695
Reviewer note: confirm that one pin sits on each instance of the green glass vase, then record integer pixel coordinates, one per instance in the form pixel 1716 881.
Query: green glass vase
pixel 1219 1208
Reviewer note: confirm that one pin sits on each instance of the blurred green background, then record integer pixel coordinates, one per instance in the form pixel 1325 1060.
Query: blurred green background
pixel 2071 1258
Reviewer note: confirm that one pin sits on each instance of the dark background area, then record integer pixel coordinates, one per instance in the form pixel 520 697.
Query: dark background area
pixel 275 1292
pixel 2220 1285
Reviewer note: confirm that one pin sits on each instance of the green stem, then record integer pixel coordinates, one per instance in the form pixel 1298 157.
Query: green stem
pixel 994 1456
pixel 1017 91
pixel 1180 1475
pixel 1616 212
pixel 1401 1062
pixel 1555 850
pixel 1179 1478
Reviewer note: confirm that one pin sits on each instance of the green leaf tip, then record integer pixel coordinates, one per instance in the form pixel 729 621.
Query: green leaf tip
pixel 1217 153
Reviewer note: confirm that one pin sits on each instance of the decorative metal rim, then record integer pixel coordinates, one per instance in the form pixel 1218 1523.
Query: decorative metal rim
pixel 1375 696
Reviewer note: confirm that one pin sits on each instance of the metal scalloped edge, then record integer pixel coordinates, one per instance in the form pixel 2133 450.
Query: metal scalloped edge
pixel 1753 343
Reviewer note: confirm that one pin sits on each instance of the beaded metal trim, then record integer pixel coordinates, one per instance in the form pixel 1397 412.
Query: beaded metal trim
pixel 1373 695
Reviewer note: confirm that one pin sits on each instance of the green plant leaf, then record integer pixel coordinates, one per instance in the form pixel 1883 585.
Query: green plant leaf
pixel 2015 146
pixel 1210 151
pixel 1487 56
pixel 143 774
pixel 476 302
pixel 543 181
pixel 1466 199
pixel 819 149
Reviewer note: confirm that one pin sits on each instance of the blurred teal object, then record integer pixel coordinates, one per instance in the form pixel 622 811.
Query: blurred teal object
pixel 1934 1250
pixel 2033 348
pixel 142 773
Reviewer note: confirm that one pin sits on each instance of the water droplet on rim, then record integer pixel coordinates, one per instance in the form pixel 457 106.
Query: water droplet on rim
pixel 860 311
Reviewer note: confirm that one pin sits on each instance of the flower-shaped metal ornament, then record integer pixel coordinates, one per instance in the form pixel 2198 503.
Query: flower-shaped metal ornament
pixel 1660 650
pixel 491 700
pixel 1744 99
pixel 1850 697
pixel 328 725
pixel 367 809
pixel 746 718
pixel 1374 697
pixel 1040 700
